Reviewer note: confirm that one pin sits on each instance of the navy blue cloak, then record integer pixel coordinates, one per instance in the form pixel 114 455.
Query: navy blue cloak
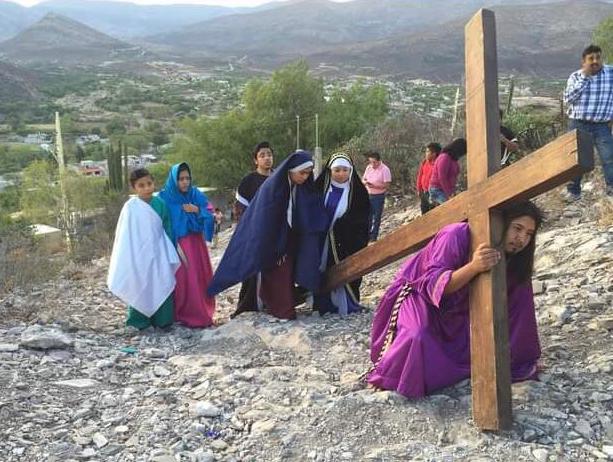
pixel 260 238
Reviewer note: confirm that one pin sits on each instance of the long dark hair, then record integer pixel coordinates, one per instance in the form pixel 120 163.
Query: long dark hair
pixel 456 149
pixel 183 167
pixel 521 265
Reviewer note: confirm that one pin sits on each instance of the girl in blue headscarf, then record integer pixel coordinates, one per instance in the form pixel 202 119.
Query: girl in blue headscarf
pixel 278 238
pixel 192 223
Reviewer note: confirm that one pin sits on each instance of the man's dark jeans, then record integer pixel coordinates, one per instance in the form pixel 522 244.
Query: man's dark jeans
pixel 603 140
pixel 377 201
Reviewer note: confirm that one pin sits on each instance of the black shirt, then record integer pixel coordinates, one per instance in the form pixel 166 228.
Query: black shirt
pixel 246 191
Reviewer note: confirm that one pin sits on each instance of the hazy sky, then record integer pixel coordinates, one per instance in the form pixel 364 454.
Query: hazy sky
pixel 168 2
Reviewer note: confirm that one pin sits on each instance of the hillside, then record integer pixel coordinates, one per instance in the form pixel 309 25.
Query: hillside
pixel 119 19
pixel 17 85
pixel 13 19
pixel 123 19
pixel 544 40
pixel 257 389
pixel 409 38
pixel 389 37
pixel 306 26
pixel 60 40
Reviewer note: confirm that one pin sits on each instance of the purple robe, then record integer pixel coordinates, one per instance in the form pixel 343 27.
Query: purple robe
pixel 431 347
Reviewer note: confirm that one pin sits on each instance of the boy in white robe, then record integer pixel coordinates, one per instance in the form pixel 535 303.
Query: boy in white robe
pixel 144 260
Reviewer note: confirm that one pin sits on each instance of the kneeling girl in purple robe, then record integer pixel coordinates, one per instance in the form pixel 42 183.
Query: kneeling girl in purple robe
pixel 420 340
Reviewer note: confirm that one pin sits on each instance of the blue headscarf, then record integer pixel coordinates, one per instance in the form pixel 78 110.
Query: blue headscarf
pixel 260 239
pixel 184 223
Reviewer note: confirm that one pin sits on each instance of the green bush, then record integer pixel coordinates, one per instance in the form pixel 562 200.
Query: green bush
pixel 14 158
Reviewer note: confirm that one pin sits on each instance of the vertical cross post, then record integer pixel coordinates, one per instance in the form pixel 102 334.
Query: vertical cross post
pixel 490 363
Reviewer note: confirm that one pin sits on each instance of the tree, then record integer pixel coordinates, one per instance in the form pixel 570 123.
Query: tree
pixel 79 153
pixel 16 122
pixel 40 192
pixel 9 200
pixel 351 112
pixel 85 192
pixel 69 134
pixel 603 37
pixel 218 149
pixel 159 172
pixel 114 165
pixel 273 106
pixel 115 127
pixel 157 134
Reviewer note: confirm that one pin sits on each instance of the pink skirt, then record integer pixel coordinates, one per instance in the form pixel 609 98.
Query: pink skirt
pixel 193 307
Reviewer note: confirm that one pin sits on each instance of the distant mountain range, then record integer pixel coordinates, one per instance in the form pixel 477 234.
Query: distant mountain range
pixel 59 40
pixel 541 40
pixel 119 19
pixel 416 38
pixel 306 26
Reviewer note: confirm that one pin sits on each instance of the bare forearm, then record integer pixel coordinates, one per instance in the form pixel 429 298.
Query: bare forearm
pixel 484 258
pixel 459 278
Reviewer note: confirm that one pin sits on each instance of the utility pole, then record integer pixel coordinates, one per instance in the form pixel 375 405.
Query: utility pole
pixel 59 156
pixel 123 148
pixel 318 151
pixel 297 132
pixel 510 95
pixel 454 119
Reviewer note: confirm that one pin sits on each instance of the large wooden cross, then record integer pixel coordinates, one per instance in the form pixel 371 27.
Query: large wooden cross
pixel 488 190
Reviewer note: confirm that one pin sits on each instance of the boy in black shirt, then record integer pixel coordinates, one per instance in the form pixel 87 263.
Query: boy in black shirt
pixel 263 159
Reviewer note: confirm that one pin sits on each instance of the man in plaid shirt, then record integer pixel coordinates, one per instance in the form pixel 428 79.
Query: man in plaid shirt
pixel 589 97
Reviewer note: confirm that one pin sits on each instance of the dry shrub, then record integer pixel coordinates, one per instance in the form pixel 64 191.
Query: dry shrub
pixel 606 213
pixel 23 260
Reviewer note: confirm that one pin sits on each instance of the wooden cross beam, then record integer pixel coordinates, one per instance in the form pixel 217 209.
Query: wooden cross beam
pixel 488 190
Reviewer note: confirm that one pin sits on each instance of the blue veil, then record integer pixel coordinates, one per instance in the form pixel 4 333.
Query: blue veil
pixel 184 223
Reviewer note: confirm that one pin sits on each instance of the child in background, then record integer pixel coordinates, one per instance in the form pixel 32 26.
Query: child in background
pixel 424 174
pixel 144 231
pixel 218 215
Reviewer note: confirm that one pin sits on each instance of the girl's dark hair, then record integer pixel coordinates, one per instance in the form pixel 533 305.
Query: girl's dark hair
pixel 138 174
pixel 456 149
pixel 521 265
pixel 184 168
pixel 434 147
pixel 259 146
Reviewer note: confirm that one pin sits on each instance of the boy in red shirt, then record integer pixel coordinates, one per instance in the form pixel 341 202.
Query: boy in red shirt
pixel 423 176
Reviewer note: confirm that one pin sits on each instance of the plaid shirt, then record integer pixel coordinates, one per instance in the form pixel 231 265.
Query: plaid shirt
pixel 590 98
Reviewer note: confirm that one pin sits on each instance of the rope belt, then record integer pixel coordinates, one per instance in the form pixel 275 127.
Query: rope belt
pixel 391 330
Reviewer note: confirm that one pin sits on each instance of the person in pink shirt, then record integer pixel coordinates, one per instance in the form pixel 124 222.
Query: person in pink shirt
pixel 377 179
pixel 445 172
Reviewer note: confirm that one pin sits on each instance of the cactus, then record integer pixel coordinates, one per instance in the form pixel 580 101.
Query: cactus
pixel 115 181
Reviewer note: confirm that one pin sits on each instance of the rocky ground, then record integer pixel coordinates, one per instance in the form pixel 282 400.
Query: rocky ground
pixel 75 385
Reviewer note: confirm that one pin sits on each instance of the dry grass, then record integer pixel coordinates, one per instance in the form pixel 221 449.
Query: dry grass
pixel 605 211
